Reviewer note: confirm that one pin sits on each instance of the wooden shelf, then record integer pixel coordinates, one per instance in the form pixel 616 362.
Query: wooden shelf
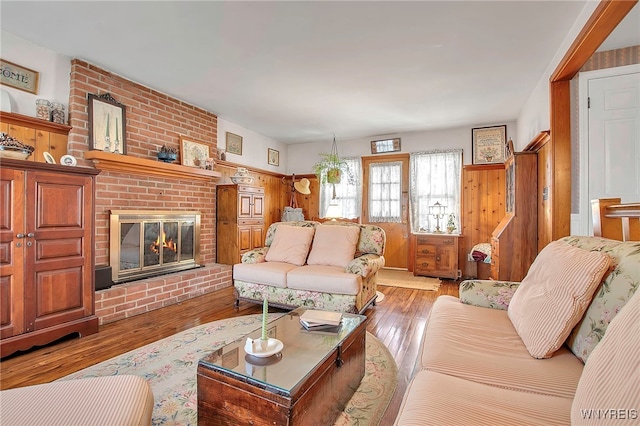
pixel 124 163
pixel 33 122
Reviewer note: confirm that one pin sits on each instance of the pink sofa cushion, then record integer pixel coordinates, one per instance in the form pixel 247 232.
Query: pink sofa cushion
pixel 325 279
pixel 611 377
pixel 554 295
pixel 109 400
pixel 440 399
pixel 480 345
pixel 334 245
pixel 266 273
pixel 290 244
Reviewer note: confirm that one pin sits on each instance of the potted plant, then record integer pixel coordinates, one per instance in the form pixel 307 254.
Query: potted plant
pixel 168 154
pixel 451 223
pixel 329 169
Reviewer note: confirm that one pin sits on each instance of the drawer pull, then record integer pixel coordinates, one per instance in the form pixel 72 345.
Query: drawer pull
pixel 426 251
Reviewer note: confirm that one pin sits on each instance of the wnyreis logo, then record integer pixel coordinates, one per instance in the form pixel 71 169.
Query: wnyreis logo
pixel 609 414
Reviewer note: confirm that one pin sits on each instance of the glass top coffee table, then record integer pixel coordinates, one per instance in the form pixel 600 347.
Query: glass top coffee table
pixel 308 382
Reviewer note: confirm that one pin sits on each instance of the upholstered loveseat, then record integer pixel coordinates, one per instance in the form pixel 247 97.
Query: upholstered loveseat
pixel 562 347
pixel 330 266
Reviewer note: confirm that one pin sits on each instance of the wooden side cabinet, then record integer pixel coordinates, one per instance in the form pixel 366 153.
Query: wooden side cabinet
pixel 46 242
pixel 436 255
pixel 514 242
pixel 239 221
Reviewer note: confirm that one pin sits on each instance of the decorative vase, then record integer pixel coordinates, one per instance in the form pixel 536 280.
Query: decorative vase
pixel 167 157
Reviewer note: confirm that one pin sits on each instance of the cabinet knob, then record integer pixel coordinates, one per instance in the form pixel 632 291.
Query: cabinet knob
pixel 31 235
pixel 20 235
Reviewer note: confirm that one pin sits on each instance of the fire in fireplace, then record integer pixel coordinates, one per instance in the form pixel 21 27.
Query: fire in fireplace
pixel 146 243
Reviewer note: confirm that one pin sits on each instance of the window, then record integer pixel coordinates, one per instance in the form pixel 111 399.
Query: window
pixel 348 192
pixel 435 177
pixel 385 191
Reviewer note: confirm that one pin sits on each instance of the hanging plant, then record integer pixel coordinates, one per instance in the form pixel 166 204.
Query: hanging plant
pixel 331 167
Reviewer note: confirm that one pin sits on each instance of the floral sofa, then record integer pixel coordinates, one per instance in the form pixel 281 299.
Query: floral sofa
pixel 561 347
pixel 330 266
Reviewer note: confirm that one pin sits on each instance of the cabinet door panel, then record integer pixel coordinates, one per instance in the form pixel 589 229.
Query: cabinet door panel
pixel 59 279
pixel 244 238
pixel 12 316
pixel 58 297
pixel 245 205
pixel 258 206
pixel 257 240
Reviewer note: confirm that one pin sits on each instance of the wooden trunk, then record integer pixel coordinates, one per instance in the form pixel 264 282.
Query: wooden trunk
pixel 224 399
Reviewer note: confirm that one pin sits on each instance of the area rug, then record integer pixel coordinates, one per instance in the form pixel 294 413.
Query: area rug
pixel 399 278
pixel 170 366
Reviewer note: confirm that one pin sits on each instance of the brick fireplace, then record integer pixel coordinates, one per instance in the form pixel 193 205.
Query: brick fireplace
pixel 153 119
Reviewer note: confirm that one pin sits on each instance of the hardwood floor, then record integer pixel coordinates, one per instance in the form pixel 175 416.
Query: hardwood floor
pixel 398 321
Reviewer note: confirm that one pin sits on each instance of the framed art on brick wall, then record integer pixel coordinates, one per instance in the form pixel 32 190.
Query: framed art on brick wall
pixel 107 124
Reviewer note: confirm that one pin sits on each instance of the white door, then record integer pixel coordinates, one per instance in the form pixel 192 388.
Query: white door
pixel 612 156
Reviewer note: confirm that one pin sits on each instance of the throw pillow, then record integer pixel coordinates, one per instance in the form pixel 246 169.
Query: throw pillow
pixel 608 392
pixel 334 245
pixel 290 244
pixel 554 295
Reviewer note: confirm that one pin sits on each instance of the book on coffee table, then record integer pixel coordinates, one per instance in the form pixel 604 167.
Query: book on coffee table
pixel 313 317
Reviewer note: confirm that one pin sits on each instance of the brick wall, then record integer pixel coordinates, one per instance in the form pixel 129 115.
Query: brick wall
pixel 152 119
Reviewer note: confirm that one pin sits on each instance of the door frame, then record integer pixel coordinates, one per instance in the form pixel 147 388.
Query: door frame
pixel 581 220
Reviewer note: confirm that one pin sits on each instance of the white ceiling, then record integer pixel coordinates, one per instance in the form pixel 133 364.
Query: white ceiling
pixel 303 71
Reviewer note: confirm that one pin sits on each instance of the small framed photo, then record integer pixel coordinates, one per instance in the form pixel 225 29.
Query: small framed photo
pixel 488 144
pixel 19 77
pixel 234 143
pixel 192 153
pixel 107 124
pixel 273 157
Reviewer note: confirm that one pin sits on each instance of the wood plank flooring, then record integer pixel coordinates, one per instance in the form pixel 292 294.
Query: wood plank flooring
pixel 398 321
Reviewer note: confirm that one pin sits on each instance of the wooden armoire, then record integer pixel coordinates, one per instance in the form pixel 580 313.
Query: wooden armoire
pixel 239 221
pixel 47 244
pixel 514 242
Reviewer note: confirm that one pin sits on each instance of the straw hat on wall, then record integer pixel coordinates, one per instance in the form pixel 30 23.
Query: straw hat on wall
pixel 302 186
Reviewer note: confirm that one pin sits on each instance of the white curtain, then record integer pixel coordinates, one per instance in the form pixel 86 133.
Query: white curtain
pixel 435 177
pixel 348 191
pixel 385 191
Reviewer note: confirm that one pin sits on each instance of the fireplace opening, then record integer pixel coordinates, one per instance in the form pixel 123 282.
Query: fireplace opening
pixel 150 243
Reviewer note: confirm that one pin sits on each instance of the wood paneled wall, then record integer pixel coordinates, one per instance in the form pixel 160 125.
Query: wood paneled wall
pixel 483 196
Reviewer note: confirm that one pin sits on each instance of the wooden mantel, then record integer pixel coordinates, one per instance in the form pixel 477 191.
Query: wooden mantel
pixel 125 163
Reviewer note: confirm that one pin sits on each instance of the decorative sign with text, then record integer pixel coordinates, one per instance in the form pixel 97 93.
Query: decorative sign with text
pixel 14 75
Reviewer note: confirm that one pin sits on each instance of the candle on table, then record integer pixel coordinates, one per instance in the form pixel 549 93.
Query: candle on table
pixel 265 310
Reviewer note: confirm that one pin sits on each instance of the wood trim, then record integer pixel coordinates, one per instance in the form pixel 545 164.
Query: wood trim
pixel 538 142
pixel 46 167
pixel 607 15
pixel 141 166
pixel 482 167
pixel 34 123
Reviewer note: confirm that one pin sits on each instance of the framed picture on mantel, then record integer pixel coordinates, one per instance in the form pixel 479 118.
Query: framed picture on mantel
pixel 488 144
